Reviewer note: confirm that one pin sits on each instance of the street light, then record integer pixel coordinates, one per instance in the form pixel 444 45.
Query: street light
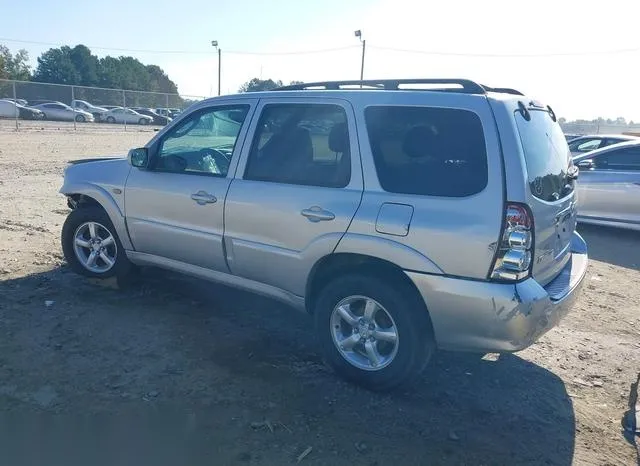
pixel 358 34
pixel 214 43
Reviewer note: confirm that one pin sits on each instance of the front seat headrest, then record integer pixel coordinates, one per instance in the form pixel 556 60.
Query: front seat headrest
pixel 419 141
pixel 339 138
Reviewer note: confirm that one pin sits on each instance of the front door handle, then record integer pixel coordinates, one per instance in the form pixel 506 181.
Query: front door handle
pixel 317 214
pixel 202 198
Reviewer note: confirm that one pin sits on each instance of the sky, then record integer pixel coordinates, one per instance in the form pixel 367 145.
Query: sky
pixel 580 57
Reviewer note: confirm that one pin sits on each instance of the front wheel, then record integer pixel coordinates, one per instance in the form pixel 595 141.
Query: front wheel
pixel 373 332
pixel 80 118
pixel 143 121
pixel 91 246
pixel 111 119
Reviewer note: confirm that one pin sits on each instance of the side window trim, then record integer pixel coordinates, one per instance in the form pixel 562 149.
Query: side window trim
pixel 356 181
pixel 154 145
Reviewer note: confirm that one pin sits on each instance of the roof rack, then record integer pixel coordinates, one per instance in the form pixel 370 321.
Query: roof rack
pixel 465 86
pixel 503 90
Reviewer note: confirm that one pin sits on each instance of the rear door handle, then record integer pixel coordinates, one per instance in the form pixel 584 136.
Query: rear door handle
pixel 202 198
pixel 317 214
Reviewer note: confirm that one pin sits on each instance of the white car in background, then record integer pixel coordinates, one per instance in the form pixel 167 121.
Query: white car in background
pixel 583 144
pixel 62 112
pixel 96 111
pixel 126 115
pixel 12 109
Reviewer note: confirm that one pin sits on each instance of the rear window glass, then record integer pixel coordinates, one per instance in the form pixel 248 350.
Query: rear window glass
pixel 546 154
pixel 427 151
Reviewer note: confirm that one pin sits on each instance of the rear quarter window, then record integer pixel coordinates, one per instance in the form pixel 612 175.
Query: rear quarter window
pixel 427 150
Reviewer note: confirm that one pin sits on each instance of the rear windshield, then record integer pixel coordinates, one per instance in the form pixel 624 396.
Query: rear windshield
pixel 546 154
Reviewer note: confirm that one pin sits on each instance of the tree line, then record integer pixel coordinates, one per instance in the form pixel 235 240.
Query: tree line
pixel 78 66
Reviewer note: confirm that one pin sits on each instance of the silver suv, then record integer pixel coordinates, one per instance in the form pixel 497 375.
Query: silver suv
pixel 403 215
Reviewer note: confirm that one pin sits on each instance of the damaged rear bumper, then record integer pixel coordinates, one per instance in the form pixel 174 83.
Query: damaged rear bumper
pixel 470 315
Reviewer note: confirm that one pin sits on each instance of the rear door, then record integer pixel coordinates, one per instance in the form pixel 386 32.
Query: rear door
pixel 551 193
pixel 298 185
pixel 609 190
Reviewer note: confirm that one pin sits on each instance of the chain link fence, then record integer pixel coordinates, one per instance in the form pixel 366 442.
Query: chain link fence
pixel 600 128
pixel 27 105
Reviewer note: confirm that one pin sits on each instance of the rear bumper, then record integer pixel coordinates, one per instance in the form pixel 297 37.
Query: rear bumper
pixel 484 316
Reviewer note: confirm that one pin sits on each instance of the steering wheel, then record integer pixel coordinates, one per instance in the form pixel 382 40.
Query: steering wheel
pixel 220 159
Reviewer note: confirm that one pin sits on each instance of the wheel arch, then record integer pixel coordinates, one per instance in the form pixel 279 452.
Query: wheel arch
pixel 90 195
pixel 341 263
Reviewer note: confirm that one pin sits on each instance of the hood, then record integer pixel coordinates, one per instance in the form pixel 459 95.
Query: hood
pixel 109 158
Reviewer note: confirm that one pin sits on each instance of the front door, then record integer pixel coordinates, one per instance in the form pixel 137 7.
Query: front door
pixel 610 189
pixel 175 208
pixel 299 184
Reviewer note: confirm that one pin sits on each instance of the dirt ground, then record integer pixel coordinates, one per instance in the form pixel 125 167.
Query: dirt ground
pixel 178 371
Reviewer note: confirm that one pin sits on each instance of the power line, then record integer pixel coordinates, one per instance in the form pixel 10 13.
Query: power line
pixel 507 55
pixel 192 52
pixel 337 49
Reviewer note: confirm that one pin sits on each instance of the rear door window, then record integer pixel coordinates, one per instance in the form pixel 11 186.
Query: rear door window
pixel 427 150
pixel 546 155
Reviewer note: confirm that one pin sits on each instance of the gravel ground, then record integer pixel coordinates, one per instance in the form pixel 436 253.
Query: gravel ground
pixel 178 371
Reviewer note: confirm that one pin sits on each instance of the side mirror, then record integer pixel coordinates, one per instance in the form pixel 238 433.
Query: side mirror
pixel 139 158
pixel 588 163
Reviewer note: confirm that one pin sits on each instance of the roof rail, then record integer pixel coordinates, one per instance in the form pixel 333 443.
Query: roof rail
pixel 465 86
pixel 503 90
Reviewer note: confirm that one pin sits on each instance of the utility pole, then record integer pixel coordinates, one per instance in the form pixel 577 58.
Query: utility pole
pixel 215 44
pixel 358 34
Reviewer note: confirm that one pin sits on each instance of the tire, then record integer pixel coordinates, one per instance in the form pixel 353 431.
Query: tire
pixel 110 119
pixel 80 118
pixel 409 320
pixel 76 223
pixel 44 116
pixel 143 121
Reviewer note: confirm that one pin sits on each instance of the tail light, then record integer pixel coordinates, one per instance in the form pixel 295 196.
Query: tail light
pixel 515 251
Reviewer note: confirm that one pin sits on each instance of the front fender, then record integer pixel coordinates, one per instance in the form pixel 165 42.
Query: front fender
pixel 392 251
pixel 108 203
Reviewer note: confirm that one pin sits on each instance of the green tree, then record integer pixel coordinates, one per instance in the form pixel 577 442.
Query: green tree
pixel 257 84
pixel 77 65
pixel 55 66
pixel 85 64
pixel 14 66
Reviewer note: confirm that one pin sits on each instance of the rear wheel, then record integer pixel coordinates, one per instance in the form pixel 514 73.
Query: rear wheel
pixel 376 333
pixel 91 246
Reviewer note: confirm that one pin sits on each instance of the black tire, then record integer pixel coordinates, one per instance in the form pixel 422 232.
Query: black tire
pixel 80 118
pixel 110 119
pixel 416 342
pixel 143 121
pixel 44 116
pixel 75 219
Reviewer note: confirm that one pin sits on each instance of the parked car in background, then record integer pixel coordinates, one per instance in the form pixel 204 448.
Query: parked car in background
pixel 126 115
pixel 96 111
pixel 570 137
pixel 33 103
pixel 587 143
pixel 402 222
pixel 609 185
pixel 111 107
pixel 22 102
pixel 168 112
pixel 62 112
pixel 11 109
pixel 157 119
